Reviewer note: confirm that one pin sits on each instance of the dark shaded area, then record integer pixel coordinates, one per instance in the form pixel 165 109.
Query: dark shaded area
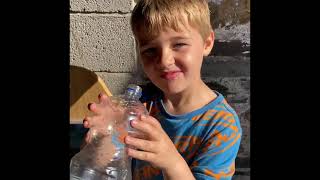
pixel 77 86
pixel 77 133
pixel 218 87
pixel 230 48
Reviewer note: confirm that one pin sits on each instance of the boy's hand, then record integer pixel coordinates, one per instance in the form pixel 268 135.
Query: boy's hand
pixel 105 113
pixel 157 148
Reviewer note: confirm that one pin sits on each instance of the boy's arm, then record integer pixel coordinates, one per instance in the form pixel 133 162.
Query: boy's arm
pixel 180 171
pixel 216 157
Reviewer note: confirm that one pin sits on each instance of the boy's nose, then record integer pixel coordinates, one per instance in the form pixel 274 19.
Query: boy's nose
pixel 166 59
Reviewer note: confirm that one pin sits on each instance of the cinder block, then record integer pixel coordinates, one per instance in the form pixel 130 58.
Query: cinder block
pixel 116 82
pixel 102 43
pixel 101 6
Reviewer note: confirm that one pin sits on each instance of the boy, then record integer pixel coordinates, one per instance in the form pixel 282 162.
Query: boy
pixel 191 132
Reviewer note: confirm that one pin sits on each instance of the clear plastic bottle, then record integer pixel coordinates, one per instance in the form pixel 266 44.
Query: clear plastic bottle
pixel 104 158
pixel 134 107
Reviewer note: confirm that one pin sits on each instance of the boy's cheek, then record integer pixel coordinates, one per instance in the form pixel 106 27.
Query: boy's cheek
pixel 147 62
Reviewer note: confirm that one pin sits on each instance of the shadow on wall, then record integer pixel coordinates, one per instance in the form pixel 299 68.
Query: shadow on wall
pixel 77 84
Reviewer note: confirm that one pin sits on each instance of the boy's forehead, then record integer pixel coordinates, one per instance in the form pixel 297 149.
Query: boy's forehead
pixel 144 37
pixel 147 32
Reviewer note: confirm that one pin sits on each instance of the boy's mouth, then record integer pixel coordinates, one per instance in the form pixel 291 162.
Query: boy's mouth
pixel 170 75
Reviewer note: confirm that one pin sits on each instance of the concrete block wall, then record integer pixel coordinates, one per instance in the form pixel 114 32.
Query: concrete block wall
pixel 101 40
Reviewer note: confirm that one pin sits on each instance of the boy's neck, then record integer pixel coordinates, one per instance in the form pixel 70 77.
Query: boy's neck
pixel 189 100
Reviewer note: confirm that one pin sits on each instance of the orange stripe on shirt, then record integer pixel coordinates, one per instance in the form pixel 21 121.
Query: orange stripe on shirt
pixel 222 114
pixel 194 143
pixel 228 125
pixel 221 174
pixel 216 139
pixel 232 127
pixel 195 118
pixel 227 147
pixel 187 144
pixel 208 115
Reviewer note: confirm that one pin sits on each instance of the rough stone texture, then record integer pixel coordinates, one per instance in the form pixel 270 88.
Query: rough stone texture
pixel 229 12
pixel 226 66
pixel 102 43
pixel 234 32
pixel 230 48
pixel 236 89
pixel 101 5
pixel 116 82
pixel 231 22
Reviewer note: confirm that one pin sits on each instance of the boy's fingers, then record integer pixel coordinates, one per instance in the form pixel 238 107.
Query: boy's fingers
pixel 137 134
pixel 94 107
pixel 93 121
pixel 102 97
pixel 86 123
pixel 141 155
pixel 98 107
pixel 146 128
pixel 151 120
pixel 105 105
pixel 142 144
pixel 104 100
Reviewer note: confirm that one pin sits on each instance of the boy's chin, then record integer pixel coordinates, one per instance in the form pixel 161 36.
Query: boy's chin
pixel 172 88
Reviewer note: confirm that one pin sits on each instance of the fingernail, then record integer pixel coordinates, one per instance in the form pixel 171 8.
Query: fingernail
pixel 143 117
pixel 127 139
pixel 89 105
pixel 101 96
pixel 134 122
pixel 85 123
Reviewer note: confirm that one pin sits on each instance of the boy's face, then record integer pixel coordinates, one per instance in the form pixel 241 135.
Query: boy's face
pixel 172 60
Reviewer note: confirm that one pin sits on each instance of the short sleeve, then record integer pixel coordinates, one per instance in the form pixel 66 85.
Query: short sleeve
pixel 215 158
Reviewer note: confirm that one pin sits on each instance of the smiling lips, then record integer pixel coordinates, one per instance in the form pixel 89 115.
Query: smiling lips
pixel 170 75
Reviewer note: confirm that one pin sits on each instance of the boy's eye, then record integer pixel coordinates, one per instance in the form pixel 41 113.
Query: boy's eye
pixel 179 45
pixel 149 52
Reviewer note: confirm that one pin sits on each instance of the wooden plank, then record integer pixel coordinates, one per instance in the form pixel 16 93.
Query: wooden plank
pixel 85 86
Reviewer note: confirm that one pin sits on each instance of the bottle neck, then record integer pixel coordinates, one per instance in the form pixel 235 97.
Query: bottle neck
pixel 131 96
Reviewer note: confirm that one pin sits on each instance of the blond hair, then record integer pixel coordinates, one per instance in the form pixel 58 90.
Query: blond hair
pixel 149 17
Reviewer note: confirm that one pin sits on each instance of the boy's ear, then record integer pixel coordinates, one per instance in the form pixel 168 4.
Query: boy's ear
pixel 208 44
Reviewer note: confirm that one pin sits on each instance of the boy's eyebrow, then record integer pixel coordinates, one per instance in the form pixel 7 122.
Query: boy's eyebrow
pixel 147 42
pixel 144 43
pixel 180 37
